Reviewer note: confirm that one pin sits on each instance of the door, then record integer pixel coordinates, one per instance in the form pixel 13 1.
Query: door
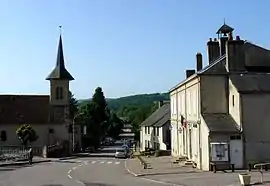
pixel 236 152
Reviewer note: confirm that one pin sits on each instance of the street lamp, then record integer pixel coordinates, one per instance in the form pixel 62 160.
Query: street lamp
pixel 73 130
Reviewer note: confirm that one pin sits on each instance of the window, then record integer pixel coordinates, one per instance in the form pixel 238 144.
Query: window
pixel 59 92
pixel 194 102
pixel 179 103
pixel 3 135
pixel 145 130
pixel 233 100
pixel 157 131
pixel 157 146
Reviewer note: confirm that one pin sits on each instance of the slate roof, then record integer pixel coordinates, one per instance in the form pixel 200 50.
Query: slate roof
pixel 220 123
pixel 245 83
pixel 225 29
pixel 24 109
pixel 60 72
pixel 159 117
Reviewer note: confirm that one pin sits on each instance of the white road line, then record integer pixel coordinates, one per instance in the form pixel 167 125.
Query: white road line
pixel 109 162
pixel 69 176
pixel 80 165
pixel 74 168
pixel 101 162
pixel 69 171
pixel 93 162
pixel 117 162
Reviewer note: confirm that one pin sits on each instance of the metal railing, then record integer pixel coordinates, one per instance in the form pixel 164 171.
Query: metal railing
pixel 261 167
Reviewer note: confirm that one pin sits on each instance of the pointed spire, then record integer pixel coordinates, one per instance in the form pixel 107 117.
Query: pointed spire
pixel 60 72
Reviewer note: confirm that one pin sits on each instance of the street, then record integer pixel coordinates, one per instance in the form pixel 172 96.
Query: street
pixel 75 172
pixel 101 169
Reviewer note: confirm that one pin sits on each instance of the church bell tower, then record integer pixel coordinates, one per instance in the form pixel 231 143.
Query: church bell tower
pixel 59 88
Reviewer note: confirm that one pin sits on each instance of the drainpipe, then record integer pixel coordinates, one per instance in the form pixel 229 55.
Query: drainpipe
pixel 199 123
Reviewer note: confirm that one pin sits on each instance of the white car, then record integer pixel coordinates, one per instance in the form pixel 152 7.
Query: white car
pixel 121 153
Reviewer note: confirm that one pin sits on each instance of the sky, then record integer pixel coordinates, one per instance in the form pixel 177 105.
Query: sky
pixel 124 46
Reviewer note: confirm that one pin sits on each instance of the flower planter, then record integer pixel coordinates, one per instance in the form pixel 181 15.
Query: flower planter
pixel 244 179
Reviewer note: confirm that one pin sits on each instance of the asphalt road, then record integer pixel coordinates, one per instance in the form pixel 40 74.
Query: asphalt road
pixel 75 172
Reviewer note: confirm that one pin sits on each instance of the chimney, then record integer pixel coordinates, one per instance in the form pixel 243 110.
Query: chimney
pixel 160 104
pixel 189 73
pixel 213 50
pixel 222 44
pixel 235 55
pixel 199 63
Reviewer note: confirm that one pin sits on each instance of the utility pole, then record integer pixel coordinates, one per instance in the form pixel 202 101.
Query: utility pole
pixel 73 130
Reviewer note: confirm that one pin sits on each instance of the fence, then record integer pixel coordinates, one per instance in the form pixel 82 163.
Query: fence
pixel 16 153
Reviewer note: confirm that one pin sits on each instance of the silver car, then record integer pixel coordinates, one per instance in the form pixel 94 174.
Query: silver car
pixel 121 153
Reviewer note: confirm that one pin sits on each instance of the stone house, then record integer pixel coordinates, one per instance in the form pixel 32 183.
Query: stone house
pixel 47 114
pixel 220 113
pixel 155 130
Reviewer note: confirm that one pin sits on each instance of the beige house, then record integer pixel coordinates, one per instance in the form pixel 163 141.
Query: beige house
pixel 155 130
pixel 47 114
pixel 221 113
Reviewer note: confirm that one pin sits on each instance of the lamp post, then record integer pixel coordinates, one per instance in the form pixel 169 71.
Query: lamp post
pixel 73 130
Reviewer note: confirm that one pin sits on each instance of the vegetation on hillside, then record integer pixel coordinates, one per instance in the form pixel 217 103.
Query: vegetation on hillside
pixel 135 108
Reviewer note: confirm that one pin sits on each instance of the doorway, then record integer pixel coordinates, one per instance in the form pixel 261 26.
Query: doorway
pixel 236 151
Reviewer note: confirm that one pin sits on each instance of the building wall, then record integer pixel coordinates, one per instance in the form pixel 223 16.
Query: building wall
pixel 256 117
pixel 60 133
pixel 204 137
pixel 59 83
pixel 214 94
pixel 234 103
pixel 174 124
pixel 154 138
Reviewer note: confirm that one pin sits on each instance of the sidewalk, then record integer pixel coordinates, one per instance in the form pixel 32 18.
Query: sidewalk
pixel 164 171
pixel 35 161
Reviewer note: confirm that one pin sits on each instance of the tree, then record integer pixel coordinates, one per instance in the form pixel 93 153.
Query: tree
pixel 95 116
pixel 115 126
pixel 26 134
pixel 73 105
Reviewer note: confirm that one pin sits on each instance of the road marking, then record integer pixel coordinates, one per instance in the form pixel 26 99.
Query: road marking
pixel 69 176
pixel 147 179
pixel 69 171
pixel 117 162
pixel 101 162
pixel 74 168
pixel 93 162
pixel 109 162
pixel 80 165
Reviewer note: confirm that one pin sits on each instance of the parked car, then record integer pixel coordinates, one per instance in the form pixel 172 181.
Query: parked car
pixel 121 153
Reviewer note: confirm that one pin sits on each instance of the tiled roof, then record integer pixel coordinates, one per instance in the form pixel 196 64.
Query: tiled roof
pixel 251 82
pixel 24 109
pixel 220 123
pixel 159 117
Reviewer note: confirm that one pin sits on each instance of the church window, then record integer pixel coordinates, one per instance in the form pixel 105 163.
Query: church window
pixel 59 92
pixel 3 135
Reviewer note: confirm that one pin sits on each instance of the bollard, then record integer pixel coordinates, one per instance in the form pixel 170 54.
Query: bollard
pixel 266 168
pixel 214 168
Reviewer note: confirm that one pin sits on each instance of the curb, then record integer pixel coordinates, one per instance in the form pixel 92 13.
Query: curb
pixel 129 171
pixel 147 179
pixel 23 163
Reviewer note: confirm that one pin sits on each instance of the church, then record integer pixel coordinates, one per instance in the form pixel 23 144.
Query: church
pixel 47 114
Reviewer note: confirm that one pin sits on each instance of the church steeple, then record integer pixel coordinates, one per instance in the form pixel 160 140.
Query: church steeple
pixel 60 72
